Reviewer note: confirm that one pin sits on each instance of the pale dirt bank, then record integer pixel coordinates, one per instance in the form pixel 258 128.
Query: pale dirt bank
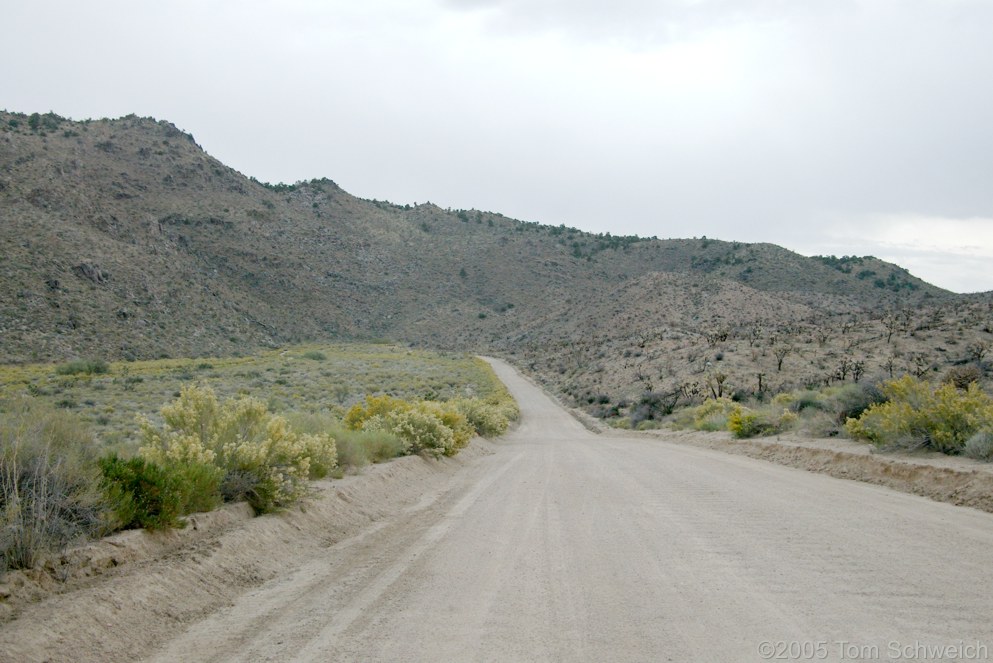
pixel 956 480
pixel 132 590
pixel 959 481
pixel 940 477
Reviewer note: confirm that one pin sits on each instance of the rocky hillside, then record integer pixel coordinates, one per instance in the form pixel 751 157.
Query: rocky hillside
pixel 123 238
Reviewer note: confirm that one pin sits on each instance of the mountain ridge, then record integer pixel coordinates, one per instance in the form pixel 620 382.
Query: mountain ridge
pixel 124 239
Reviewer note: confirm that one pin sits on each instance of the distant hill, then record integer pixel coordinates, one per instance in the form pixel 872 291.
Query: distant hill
pixel 123 238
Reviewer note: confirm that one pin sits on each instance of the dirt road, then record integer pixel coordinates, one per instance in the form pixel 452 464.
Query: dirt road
pixel 567 546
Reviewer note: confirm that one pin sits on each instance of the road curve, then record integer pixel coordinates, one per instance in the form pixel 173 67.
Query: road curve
pixel 568 546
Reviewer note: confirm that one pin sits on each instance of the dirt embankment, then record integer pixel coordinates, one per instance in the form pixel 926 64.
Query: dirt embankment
pixel 956 480
pixel 959 481
pixel 117 597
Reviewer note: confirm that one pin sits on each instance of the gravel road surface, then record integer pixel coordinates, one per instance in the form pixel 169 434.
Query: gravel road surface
pixel 568 546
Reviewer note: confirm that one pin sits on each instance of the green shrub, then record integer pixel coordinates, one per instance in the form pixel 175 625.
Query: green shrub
pixel 916 414
pixel 381 446
pixel 199 485
pixel 315 355
pixel 849 401
pixel 353 448
pixel 141 493
pixel 49 483
pixel 83 367
pixel 359 448
pixel 800 401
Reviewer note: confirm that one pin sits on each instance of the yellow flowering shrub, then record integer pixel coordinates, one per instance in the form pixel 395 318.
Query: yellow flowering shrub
pixel 488 419
pixel 322 449
pixel 277 461
pixel 743 422
pixel 942 418
pixel 713 414
pixel 259 456
pixel 373 406
pixel 452 418
pixel 436 427
pixel 422 430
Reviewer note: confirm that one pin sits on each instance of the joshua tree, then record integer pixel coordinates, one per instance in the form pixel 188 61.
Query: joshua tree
pixel 978 350
pixel 716 383
pixel 781 351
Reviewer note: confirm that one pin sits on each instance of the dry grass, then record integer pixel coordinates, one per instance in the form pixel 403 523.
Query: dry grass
pixel 293 379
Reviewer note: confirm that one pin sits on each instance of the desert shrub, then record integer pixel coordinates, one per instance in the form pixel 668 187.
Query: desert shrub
pixel 499 397
pixel 744 422
pixel 142 493
pixel 319 434
pixel 353 448
pixel 917 414
pixel 373 406
pixel 199 485
pixel 817 423
pixel 800 401
pixel 381 446
pixel 842 401
pixel 49 483
pixel 239 486
pixel 83 367
pixel 452 418
pixel 824 412
pixel 488 419
pixel 322 449
pixel 276 457
pixel 962 376
pixel 315 355
pixel 358 448
pixel 654 405
pixel 711 415
pixel 432 427
pixel 849 401
pixel 980 445
pixel 352 452
pixel 191 423
pixel 421 431
pixel 268 462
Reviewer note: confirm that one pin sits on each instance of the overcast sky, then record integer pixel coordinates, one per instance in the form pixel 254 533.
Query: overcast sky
pixel 826 126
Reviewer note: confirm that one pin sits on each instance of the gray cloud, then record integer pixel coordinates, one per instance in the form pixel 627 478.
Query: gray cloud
pixel 640 21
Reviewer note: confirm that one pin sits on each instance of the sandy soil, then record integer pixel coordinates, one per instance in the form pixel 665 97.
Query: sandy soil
pixel 551 544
